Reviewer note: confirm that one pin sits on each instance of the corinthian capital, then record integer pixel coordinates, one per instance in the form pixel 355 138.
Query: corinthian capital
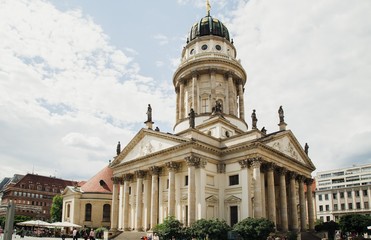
pixel 116 180
pixel 244 164
pixel 140 173
pixel 172 166
pixel 128 177
pixel 192 161
pixel 155 170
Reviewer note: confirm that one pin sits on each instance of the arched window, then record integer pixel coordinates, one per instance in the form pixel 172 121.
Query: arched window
pixel 106 213
pixel 88 212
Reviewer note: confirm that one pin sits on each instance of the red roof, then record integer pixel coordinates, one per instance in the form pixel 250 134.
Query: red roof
pixel 100 183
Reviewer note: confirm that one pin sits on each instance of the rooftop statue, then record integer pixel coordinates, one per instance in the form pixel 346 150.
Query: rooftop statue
pixel 192 115
pixel 118 149
pixel 149 113
pixel 254 119
pixel 281 114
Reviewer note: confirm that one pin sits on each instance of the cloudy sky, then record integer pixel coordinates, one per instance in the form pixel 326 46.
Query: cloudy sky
pixel 76 76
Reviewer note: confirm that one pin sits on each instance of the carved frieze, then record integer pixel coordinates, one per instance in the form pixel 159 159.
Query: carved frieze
pixel 127 177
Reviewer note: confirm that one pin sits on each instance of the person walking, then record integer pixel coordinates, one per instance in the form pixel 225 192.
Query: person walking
pixel 74 234
pixel 92 235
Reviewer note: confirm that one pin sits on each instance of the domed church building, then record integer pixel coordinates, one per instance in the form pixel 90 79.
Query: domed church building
pixel 213 165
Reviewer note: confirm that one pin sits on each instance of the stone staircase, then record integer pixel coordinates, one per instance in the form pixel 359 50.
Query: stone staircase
pixel 130 236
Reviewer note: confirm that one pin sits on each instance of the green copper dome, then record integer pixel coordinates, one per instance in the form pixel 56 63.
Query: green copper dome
pixel 208 26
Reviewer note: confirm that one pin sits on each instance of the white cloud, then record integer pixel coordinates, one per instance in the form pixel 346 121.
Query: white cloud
pixel 162 39
pixel 63 84
pixel 312 57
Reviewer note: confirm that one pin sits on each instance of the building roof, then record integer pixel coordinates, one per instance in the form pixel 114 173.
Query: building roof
pixel 31 181
pixel 208 26
pixel 100 182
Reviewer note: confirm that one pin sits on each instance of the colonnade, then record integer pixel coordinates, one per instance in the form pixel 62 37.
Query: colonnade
pixel 268 191
pixel 231 95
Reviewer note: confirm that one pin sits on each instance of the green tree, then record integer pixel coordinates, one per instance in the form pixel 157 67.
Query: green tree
pixel 254 229
pixel 213 229
pixel 171 227
pixel 355 223
pixel 56 208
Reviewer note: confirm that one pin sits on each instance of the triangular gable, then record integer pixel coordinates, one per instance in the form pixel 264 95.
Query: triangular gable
pixel 147 142
pixel 232 199
pixel 287 144
pixel 212 199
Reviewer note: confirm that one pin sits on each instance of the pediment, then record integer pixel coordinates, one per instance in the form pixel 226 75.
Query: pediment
pixel 232 199
pixel 212 199
pixel 288 145
pixel 145 143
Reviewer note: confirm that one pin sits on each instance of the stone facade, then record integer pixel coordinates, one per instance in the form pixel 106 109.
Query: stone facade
pixel 212 166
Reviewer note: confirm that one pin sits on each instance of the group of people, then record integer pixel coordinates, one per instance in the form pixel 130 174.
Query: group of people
pixel 85 235
pixel 150 237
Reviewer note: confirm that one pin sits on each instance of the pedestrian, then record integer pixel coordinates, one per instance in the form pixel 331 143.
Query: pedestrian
pixel 91 235
pixel 63 234
pixel 74 234
pixel 85 235
pixel 156 237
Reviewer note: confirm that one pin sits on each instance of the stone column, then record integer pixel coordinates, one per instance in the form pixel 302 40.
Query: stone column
pixel 258 210
pixel 271 193
pixel 302 202
pixel 241 106
pixel 177 115
pixel 115 203
pixel 172 167
pixel 138 203
pixel 194 93
pixel 192 162
pixel 231 99
pixel 121 204
pixel 309 182
pixel 245 183
pixel 126 210
pixel 181 100
pixel 155 171
pixel 283 200
pixel 293 203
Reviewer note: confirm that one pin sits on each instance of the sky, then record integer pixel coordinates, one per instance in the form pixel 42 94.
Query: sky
pixel 76 76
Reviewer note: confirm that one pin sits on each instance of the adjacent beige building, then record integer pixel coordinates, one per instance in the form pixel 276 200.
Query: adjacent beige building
pixel 89 205
pixel 213 165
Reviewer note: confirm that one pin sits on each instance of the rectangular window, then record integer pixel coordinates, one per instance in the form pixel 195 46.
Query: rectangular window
pixel 365 192
pixel 233 180
pixel 335 207
pixel 327 207
pixel 186 180
pixel 341 194
pixel 321 208
pixel 321 218
pixel 357 193
pixel 327 218
pixel 366 205
pixel 350 206
pixel 320 197
pixel 334 195
pixel 234 215
pixel 349 194
pixel 167 183
pixel 129 190
pixel 326 196
pixel 358 205
pixel 204 105
pixel 343 206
